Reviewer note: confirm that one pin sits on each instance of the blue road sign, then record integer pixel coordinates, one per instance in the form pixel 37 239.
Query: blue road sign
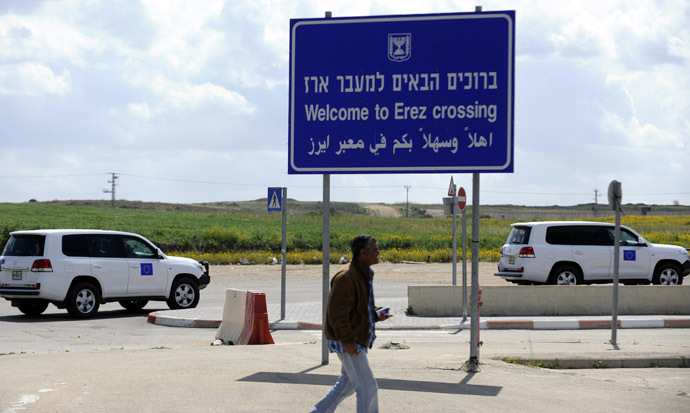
pixel 402 94
pixel 275 199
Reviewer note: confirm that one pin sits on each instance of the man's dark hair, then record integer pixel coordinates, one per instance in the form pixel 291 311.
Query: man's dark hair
pixel 361 242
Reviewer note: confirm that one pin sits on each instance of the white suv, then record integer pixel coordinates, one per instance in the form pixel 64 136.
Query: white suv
pixel 81 269
pixel 569 253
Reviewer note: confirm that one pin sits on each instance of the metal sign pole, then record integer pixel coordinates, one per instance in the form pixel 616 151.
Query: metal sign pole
pixel 472 364
pixel 454 209
pixel 474 313
pixel 615 195
pixel 326 247
pixel 464 266
pixel 616 265
pixel 283 251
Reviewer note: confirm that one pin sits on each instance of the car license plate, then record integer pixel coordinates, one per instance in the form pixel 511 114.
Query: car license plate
pixel 511 260
pixel 16 275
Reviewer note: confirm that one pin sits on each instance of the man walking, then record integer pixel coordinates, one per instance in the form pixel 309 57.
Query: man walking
pixel 350 318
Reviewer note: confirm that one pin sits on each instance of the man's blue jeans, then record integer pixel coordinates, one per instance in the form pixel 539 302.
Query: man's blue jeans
pixel 355 376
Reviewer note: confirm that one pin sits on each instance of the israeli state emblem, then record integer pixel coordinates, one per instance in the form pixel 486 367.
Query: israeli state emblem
pixel 399 46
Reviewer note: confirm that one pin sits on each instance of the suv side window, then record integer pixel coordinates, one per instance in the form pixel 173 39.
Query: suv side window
pixel 627 239
pixel 136 248
pixel 106 246
pixel 578 235
pixel 75 245
pixel 560 235
pixel 592 236
pixel 25 246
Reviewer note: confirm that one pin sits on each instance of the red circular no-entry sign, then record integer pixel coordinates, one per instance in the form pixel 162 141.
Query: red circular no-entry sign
pixel 462 198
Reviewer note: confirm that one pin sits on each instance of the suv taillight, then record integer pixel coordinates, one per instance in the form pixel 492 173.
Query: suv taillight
pixel 43 265
pixel 526 252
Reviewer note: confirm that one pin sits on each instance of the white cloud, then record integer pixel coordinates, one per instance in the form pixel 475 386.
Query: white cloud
pixel 645 136
pixel 680 45
pixel 183 42
pixel 140 109
pixel 185 96
pixel 32 79
pixel 71 160
pixel 46 38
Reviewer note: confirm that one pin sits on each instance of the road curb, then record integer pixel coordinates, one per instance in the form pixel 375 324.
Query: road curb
pixel 585 324
pixel 602 363
pixel 558 323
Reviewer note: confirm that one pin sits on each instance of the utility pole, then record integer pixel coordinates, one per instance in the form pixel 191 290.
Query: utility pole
pixel 596 200
pixel 407 201
pixel 113 184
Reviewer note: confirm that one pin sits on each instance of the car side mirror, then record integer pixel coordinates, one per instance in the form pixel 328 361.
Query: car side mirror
pixel 641 241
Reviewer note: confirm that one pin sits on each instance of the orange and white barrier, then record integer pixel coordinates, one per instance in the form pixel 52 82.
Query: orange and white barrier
pixel 245 318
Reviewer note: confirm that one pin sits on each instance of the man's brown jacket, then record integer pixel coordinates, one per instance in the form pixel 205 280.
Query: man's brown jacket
pixel 347 310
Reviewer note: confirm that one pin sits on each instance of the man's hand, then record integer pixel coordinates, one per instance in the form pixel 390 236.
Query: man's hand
pixel 384 313
pixel 351 349
pixel 385 316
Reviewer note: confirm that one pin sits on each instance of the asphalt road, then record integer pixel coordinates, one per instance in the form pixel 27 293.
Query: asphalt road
pixel 115 328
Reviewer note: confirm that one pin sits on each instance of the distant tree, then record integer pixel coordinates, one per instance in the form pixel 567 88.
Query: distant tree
pixel 676 202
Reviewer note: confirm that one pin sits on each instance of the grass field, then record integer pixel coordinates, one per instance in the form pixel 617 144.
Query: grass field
pixel 222 236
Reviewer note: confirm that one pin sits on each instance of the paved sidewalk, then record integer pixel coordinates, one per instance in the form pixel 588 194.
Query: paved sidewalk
pixel 307 315
pixel 426 376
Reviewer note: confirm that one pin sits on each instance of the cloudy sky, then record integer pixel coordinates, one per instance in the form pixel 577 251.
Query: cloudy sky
pixel 187 101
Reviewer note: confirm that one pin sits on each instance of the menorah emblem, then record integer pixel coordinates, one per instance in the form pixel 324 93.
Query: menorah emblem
pixel 399 46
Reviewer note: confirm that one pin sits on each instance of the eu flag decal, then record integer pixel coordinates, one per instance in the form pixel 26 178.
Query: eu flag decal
pixel 146 269
pixel 629 255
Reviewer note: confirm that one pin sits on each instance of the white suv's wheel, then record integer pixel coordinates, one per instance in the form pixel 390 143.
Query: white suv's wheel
pixel 565 275
pixel 183 294
pixel 667 274
pixel 83 300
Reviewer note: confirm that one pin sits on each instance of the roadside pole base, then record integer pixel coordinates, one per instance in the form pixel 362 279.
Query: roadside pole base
pixel 471 366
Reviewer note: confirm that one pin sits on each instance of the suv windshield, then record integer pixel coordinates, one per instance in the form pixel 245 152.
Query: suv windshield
pixel 25 246
pixel 519 235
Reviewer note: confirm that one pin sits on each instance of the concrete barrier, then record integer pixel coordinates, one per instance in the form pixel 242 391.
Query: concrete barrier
pixel 245 318
pixel 510 300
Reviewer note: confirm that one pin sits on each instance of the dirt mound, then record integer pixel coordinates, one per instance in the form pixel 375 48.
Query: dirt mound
pixel 383 211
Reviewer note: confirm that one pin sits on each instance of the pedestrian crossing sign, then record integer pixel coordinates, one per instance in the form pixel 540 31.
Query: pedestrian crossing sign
pixel 275 200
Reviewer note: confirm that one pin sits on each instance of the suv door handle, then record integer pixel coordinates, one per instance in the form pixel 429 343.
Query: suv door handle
pixel 98 265
pixel 579 252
